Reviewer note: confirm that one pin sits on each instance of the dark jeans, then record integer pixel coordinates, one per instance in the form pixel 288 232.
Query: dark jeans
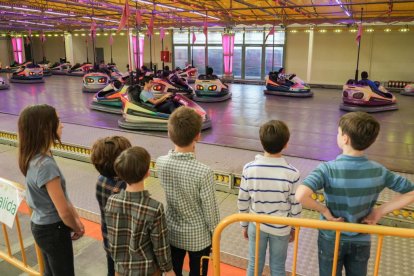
pixel 109 261
pixel 55 243
pixel 353 256
pixel 166 107
pixel 178 255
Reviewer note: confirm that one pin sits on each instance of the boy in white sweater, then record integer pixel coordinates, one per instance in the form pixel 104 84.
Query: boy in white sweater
pixel 268 187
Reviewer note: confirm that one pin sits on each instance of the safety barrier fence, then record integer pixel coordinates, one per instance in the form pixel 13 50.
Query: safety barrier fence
pixel 225 182
pixel 338 227
pixel 7 254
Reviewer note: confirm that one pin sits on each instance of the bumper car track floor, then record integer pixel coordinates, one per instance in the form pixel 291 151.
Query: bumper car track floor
pixel 235 123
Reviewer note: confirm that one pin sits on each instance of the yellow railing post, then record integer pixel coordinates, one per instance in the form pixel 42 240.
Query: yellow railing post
pixel 256 253
pixel 336 252
pixel 309 223
pixel 8 257
pixel 378 255
pixel 295 251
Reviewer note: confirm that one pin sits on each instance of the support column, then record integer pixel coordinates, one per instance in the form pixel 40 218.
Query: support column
pixel 310 56
pixel 69 49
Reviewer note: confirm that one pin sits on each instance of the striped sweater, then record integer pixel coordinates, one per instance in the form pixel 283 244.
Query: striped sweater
pixel 268 187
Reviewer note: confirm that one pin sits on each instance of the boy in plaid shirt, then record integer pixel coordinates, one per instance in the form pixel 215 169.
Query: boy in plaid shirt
pixel 104 153
pixel 192 210
pixel 137 229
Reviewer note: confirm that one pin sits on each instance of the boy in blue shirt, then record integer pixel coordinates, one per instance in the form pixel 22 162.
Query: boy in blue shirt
pixel 351 185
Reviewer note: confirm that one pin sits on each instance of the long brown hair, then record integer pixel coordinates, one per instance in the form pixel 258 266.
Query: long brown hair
pixel 38 125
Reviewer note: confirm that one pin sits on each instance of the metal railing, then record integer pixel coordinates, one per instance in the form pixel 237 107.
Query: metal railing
pixel 8 255
pixel 338 227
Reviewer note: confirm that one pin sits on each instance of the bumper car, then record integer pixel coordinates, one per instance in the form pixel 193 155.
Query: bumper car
pixel 3 84
pixel 139 116
pixel 14 67
pixel 210 89
pixel 46 69
pixel 359 96
pixel 408 90
pixel 79 70
pixel 189 73
pixel 173 84
pixel 28 74
pixel 294 87
pixel 60 68
pixel 94 82
pixel 109 98
pixel 114 72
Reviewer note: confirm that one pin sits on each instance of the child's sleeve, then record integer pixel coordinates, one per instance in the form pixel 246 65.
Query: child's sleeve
pixel 208 201
pixel 243 200
pixel 160 243
pixel 296 207
pixel 316 179
pixel 398 183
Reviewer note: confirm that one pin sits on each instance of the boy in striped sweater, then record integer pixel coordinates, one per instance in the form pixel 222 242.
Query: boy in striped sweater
pixel 268 187
pixel 351 185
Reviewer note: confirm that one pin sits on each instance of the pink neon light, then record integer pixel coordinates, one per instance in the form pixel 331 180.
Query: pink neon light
pixel 141 50
pixel 228 52
pixel 17 44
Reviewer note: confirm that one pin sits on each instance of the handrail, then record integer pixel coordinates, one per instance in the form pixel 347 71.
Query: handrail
pixel 299 223
pixel 8 256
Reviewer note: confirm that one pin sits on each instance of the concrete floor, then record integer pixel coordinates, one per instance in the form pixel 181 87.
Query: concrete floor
pixel 313 121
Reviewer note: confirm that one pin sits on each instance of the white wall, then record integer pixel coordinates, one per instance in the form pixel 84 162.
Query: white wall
pixel 385 56
pixel 53 47
pixel 5 51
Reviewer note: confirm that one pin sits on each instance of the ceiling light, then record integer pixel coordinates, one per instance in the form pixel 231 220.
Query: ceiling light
pixel 58 13
pixel 387 30
pixel 370 30
pixel 32 23
pixel 337 31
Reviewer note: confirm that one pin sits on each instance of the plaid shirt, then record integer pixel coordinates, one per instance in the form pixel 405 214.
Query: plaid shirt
pixel 137 234
pixel 192 210
pixel 105 187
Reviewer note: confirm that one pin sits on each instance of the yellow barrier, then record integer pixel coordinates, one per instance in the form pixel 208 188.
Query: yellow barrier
pixel 381 231
pixel 8 256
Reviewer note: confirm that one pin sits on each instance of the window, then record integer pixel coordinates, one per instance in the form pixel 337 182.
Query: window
pixel 215 59
pixel 279 38
pixel 252 62
pixel 237 62
pixel 277 57
pixel 253 37
pixel 214 37
pixel 200 38
pixel 181 37
pixel 141 51
pixel 17 43
pixel 180 56
pixel 199 58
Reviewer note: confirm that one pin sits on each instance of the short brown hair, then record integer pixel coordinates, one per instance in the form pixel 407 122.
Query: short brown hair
pixel 105 151
pixel 184 125
pixel 274 136
pixel 361 128
pixel 132 164
pixel 37 127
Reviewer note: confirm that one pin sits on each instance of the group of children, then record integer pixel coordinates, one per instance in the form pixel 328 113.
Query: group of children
pixel 141 239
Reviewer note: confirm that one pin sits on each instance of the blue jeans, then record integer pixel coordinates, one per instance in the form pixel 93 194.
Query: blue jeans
pixel 278 246
pixel 353 255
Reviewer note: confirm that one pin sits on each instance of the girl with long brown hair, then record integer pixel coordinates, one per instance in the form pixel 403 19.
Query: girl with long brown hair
pixel 54 218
